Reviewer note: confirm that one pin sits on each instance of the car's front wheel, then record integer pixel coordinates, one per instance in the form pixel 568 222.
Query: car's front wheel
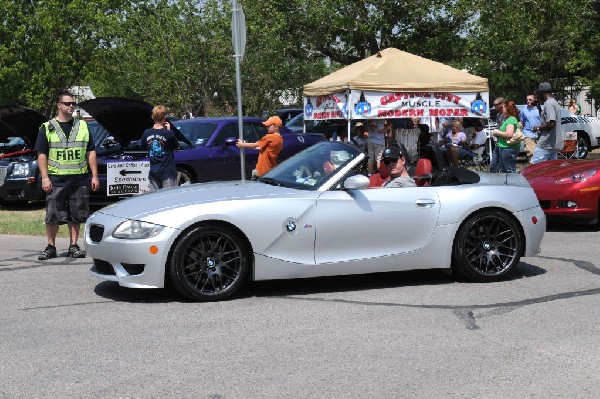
pixel 583 145
pixel 209 263
pixel 488 246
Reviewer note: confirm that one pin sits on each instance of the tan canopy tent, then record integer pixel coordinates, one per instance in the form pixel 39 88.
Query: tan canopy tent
pixel 395 70
pixel 394 83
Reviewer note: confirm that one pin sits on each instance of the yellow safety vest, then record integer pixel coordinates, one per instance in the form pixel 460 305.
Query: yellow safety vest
pixel 67 156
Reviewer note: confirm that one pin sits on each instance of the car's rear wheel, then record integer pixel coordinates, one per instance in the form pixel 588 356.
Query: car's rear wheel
pixel 209 263
pixel 488 246
pixel 583 145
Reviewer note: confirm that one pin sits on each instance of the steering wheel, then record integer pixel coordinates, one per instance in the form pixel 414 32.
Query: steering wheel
pixel 303 172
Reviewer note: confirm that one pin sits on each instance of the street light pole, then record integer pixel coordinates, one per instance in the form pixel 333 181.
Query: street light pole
pixel 238 27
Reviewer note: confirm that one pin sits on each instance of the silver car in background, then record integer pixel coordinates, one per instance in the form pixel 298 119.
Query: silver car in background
pixel 315 215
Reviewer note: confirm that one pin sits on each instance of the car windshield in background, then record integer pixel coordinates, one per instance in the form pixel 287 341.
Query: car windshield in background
pixel 312 167
pixel 13 144
pixel 102 139
pixel 197 133
pixel 296 121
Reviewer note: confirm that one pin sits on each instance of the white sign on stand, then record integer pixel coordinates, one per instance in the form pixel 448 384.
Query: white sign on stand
pixel 127 177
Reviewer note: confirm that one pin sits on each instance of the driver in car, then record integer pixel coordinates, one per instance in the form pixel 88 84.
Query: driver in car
pixel 396 163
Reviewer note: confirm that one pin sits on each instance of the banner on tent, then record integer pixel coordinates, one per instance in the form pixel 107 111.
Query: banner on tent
pixel 331 106
pixel 381 105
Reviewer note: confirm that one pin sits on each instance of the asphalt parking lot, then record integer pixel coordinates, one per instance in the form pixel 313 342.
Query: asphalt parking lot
pixel 413 334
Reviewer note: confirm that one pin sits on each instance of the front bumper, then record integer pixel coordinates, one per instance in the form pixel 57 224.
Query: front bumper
pixel 556 205
pixel 126 261
pixel 21 189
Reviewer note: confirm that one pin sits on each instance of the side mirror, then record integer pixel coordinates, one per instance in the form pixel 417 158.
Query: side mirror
pixel 357 182
pixel 109 141
pixel 230 141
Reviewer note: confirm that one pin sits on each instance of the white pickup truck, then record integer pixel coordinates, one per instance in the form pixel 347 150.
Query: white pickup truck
pixel 587 129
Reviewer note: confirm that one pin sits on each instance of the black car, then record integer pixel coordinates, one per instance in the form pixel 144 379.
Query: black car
pixel 19 175
pixel 327 127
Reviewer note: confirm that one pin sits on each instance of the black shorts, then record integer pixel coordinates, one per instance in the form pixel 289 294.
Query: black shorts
pixel 70 204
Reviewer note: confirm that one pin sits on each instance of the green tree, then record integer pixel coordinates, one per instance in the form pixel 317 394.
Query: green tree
pixel 516 45
pixel 347 31
pixel 179 53
pixel 46 45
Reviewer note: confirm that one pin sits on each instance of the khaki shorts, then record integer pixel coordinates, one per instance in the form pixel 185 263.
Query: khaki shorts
pixel 529 146
pixel 375 151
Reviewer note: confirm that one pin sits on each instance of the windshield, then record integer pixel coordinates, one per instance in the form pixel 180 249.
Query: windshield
pixel 296 121
pixel 310 168
pixel 197 133
pixel 99 134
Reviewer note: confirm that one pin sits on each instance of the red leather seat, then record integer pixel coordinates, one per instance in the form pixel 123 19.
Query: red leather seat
pixel 377 179
pixel 423 172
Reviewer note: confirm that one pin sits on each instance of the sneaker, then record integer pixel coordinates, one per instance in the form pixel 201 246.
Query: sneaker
pixel 75 251
pixel 48 253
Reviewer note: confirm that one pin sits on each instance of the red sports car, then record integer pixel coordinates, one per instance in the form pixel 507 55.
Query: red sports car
pixel 568 189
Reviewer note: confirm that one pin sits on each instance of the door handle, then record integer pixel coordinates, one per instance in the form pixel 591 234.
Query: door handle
pixel 425 203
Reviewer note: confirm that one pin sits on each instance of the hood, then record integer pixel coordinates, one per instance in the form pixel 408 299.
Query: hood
pixel 18 121
pixel 138 207
pixel 554 170
pixel 124 118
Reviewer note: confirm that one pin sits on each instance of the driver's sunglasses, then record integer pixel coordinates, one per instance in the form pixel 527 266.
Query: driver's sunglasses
pixel 68 103
pixel 388 161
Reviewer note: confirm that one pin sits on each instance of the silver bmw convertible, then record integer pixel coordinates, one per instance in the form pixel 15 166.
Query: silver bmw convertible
pixel 315 215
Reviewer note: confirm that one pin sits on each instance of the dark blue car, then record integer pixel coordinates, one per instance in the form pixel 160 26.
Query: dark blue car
pixel 212 154
pixel 207 145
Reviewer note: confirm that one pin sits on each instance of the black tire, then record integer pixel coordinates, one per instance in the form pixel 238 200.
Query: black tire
pixel 184 177
pixel 209 263
pixel 487 247
pixel 583 145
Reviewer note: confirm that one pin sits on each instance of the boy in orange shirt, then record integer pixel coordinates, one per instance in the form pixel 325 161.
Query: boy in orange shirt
pixel 269 146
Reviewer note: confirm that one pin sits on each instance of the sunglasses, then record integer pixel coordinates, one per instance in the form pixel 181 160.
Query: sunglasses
pixel 388 161
pixel 68 103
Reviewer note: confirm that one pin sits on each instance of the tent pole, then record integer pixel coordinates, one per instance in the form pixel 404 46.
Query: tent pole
pixel 348 114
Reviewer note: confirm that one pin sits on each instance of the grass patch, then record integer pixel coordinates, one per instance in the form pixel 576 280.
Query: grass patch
pixel 25 219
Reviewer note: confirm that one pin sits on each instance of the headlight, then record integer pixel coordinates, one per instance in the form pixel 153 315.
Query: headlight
pixel 134 229
pixel 20 169
pixel 577 177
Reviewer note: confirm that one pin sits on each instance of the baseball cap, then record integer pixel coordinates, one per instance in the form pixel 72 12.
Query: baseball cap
pixel 359 124
pixel 545 87
pixel 392 152
pixel 274 120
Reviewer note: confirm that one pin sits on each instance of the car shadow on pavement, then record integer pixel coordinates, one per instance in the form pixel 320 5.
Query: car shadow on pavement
pixel 113 291
pixel 566 227
pixel 309 286
pixel 367 282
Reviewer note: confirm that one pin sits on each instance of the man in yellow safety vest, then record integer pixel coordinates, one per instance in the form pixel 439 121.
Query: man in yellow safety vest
pixel 65 151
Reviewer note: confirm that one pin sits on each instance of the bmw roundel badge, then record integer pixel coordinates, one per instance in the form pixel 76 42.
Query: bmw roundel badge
pixel 290 226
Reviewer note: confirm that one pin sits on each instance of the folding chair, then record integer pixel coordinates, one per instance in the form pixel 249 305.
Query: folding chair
pixel 569 150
